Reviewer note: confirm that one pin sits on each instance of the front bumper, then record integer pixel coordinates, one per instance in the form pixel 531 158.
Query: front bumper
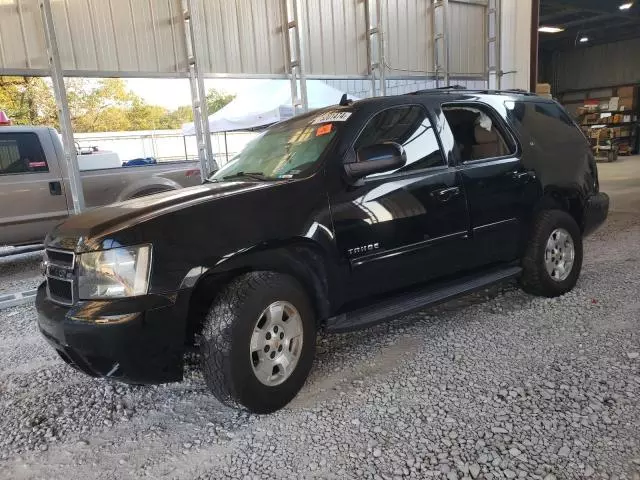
pixel 134 340
pixel 596 211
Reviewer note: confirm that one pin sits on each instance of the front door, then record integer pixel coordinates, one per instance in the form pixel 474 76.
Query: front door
pixel 32 198
pixel 403 227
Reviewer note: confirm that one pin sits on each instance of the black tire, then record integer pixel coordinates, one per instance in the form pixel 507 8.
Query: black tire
pixel 226 336
pixel 535 278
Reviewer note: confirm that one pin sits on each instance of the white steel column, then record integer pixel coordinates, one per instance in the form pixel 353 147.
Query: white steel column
pixel 494 72
pixel 440 41
pixel 293 56
pixel 60 92
pixel 375 47
pixel 193 38
pixel 515 43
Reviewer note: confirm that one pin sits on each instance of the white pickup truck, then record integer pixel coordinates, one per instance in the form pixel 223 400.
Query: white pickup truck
pixel 34 183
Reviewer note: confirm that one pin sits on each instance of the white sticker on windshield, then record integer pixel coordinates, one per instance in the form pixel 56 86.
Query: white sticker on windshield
pixel 332 117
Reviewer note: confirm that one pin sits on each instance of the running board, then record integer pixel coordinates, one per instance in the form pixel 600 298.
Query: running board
pixel 410 302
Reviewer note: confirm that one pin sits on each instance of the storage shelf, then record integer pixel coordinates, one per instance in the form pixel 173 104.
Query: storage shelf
pixel 623 112
pixel 609 125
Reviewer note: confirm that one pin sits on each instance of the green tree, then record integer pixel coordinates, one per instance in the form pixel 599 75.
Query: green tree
pixel 176 118
pixel 27 101
pixel 143 116
pixel 90 100
pixel 217 99
pixel 103 105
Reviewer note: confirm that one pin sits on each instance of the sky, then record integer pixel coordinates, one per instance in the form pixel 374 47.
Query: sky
pixel 172 93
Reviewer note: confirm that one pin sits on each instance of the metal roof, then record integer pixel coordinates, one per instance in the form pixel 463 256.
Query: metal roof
pixel 601 21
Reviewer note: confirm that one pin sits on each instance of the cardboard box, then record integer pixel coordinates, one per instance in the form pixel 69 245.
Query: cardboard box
pixel 614 103
pixel 543 88
pixel 626 91
pixel 626 103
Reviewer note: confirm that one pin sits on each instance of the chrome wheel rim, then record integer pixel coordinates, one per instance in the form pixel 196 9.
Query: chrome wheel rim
pixel 276 343
pixel 559 255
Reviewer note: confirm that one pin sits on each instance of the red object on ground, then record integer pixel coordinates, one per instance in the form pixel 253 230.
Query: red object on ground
pixel 4 120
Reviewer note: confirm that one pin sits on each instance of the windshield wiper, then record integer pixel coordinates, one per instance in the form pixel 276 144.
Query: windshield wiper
pixel 252 175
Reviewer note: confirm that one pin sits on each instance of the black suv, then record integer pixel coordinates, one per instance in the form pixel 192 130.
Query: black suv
pixel 335 219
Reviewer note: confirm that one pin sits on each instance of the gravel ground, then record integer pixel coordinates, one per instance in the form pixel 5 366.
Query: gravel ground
pixel 19 273
pixel 495 385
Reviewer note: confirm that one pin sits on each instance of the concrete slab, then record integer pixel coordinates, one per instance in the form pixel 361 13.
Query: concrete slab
pixel 621 180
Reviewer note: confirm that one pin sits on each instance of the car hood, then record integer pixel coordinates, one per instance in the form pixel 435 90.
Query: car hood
pixel 76 232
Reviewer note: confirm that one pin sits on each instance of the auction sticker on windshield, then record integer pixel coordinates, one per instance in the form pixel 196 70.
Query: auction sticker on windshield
pixel 332 117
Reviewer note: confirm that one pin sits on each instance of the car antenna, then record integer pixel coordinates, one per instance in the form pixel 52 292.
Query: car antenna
pixel 344 101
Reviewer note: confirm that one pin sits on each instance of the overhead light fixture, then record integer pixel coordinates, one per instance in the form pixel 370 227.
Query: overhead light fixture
pixel 626 6
pixel 584 39
pixel 551 29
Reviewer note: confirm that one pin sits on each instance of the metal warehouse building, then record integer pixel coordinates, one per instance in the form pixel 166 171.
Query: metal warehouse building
pixel 368 47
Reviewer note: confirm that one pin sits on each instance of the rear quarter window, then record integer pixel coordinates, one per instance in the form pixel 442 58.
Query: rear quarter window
pixel 544 123
pixel 21 153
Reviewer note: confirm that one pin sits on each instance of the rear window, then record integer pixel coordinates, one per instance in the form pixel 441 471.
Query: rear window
pixel 21 153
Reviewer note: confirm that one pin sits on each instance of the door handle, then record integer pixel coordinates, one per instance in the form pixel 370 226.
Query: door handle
pixel 523 176
pixel 446 194
pixel 55 188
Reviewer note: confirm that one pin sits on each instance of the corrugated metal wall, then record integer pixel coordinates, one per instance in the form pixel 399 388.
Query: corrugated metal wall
pixel 605 65
pixel 408 36
pixel 137 36
pixel 335 37
pixel 240 37
pixel 21 39
pixel 243 37
pixel 467 30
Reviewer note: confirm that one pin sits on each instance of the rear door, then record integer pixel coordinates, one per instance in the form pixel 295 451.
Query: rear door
pixel 32 199
pixel 403 227
pixel 500 190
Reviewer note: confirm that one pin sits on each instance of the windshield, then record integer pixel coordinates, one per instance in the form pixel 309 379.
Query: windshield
pixel 287 150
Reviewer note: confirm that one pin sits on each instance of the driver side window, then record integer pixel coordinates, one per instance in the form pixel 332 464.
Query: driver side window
pixel 410 127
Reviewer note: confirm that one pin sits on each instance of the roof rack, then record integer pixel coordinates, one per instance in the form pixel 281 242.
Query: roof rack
pixel 439 89
pixel 457 88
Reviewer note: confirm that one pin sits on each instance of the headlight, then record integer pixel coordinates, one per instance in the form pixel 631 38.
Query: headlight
pixel 119 272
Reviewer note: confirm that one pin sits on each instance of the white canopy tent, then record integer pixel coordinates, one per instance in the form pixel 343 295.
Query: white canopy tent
pixel 267 103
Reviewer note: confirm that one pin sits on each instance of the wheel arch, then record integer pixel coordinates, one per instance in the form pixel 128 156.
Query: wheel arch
pixel 301 258
pixel 566 199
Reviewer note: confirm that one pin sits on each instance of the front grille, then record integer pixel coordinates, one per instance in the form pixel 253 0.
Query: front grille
pixel 60 265
pixel 60 291
pixel 61 258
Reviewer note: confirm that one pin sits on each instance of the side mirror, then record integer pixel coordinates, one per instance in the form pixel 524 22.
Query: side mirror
pixel 378 158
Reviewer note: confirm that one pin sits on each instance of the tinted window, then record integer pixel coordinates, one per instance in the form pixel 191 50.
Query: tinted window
pixel 21 153
pixel 554 111
pixel 410 127
pixel 477 134
pixel 545 123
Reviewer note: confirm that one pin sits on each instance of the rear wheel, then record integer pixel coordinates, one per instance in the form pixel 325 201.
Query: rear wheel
pixel 553 259
pixel 258 342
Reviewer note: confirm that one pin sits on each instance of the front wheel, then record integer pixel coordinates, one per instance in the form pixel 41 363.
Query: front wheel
pixel 553 259
pixel 258 342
